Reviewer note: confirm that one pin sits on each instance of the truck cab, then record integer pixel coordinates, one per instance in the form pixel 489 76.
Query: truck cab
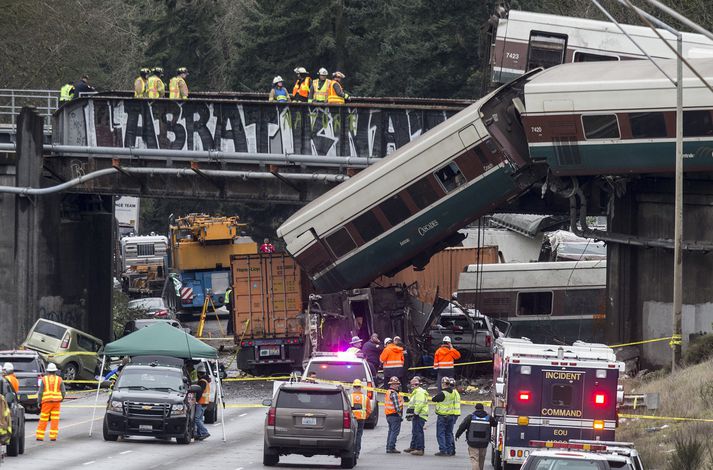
pixel 546 392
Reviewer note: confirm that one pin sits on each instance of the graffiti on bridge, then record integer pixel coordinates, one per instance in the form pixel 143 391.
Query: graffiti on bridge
pixel 53 308
pixel 248 127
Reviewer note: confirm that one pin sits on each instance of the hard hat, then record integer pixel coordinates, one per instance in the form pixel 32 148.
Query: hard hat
pixel 445 381
pixel 145 71
pixel 452 382
pixel 300 70
pixel 323 71
pixel 338 74
pixel 355 340
pixel 387 341
pixel 416 380
pixel 51 367
pixel 394 380
pixel 8 368
pixel 157 70
pixel 277 80
pixel 356 383
pixel 397 338
pixel 182 70
pixel 446 339
pixel 200 367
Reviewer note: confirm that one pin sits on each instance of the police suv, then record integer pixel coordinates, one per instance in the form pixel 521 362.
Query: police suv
pixel 546 392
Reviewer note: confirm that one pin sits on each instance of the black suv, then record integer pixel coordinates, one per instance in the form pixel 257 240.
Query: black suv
pixel 29 369
pixel 17 442
pixel 151 397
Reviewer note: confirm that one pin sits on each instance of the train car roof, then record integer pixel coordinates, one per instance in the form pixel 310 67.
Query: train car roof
pixel 630 84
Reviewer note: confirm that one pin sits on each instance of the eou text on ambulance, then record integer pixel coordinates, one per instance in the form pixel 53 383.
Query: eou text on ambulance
pixel 552 393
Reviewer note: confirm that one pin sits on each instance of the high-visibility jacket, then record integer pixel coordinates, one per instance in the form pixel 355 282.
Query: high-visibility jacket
pixel 391 407
pixel 228 294
pixel 445 358
pixel 450 405
pixel 332 96
pixel 419 402
pixel 205 397
pixel 52 388
pixel 392 356
pixel 177 88
pixel 13 381
pixel 156 87
pixel 320 89
pixel 301 88
pixel 360 398
pixel 140 87
pixel 66 93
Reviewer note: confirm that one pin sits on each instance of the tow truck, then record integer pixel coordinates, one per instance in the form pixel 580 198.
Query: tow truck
pixel 549 392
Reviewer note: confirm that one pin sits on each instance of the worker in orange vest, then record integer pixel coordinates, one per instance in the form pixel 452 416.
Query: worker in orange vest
pixel 202 401
pixel 8 371
pixel 361 407
pixel 320 88
pixel 394 411
pixel 392 357
pixel 337 94
pixel 49 397
pixel 444 360
pixel 300 92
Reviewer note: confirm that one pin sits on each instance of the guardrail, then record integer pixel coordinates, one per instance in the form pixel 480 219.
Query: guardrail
pixel 12 101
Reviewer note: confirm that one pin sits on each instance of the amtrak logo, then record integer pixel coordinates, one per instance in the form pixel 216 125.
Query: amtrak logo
pixel 429 226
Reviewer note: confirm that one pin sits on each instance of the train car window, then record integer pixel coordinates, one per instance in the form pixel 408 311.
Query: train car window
pixel 341 242
pixel 395 210
pixel 580 56
pixel 697 124
pixel 315 258
pixel 534 303
pixel 600 126
pixel 647 125
pixel 450 177
pixel 562 395
pixel 368 226
pixel 546 49
pixel 422 193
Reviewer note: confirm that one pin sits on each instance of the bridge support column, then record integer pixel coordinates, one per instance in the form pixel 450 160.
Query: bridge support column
pixel 55 250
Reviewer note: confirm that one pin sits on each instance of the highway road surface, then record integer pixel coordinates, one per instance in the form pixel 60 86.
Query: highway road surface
pixel 242 449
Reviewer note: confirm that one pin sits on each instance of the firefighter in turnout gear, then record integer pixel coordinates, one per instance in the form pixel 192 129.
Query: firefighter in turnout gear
pixel 49 397
pixel 155 86
pixel 361 407
pixel 447 412
pixel 141 82
pixel 477 427
pixel 8 371
pixel 177 87
pixel 417 413
pixel 394 411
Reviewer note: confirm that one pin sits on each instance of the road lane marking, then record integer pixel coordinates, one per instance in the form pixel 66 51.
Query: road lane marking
pixel 89 463
pixel 125 452
pixel 240 416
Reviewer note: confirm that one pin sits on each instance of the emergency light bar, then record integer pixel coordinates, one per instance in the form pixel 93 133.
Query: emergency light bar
pixel 568 445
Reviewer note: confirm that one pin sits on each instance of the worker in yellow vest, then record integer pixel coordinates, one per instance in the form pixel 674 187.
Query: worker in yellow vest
pixel 447 412
pixel 320 88
pixel 177 87
pixel 141 88
pixel 49 397
pixel 300 92
pixel 156 87
pixel 202 402
pixel 361 407
pixel 66 93
pixel 337 94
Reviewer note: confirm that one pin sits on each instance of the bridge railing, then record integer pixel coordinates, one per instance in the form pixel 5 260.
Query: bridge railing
pixel 13 100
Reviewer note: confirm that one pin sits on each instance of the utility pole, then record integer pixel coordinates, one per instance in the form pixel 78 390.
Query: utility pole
pixel 678 213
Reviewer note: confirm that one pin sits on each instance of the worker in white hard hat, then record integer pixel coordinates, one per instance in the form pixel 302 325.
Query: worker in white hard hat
pixel 320 88
pixel 49 397
pixel 444 360
pixel 337 94
pixel 361 408
pixel 355 346
pixel 300 92
pixel 278 92
pixel 8 372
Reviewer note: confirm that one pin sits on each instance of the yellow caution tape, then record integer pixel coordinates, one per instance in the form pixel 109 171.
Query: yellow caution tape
pixel 666 418
pixel 251 379
pixel 81 382
pixel 645 341
pixel 72 353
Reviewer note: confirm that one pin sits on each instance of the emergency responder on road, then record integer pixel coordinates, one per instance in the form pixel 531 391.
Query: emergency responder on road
pixel 227 302
pixel 155 86
pixel 83 86
pixel 355 346
pixel 394 411
pixel 337 94
pixel 141 82
pixel 361 407
pixel 300 92
pixel 444 360
pixel 202 401
pixel 417 413
pixel 66 93
pixel 447 412
pixel 8 372
pixel 49 397
pixel 320 88
pixel 393 359
pixel 372 350
pixel 477 427
pixel 278 92
pixel 177 87
pixel 267 247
